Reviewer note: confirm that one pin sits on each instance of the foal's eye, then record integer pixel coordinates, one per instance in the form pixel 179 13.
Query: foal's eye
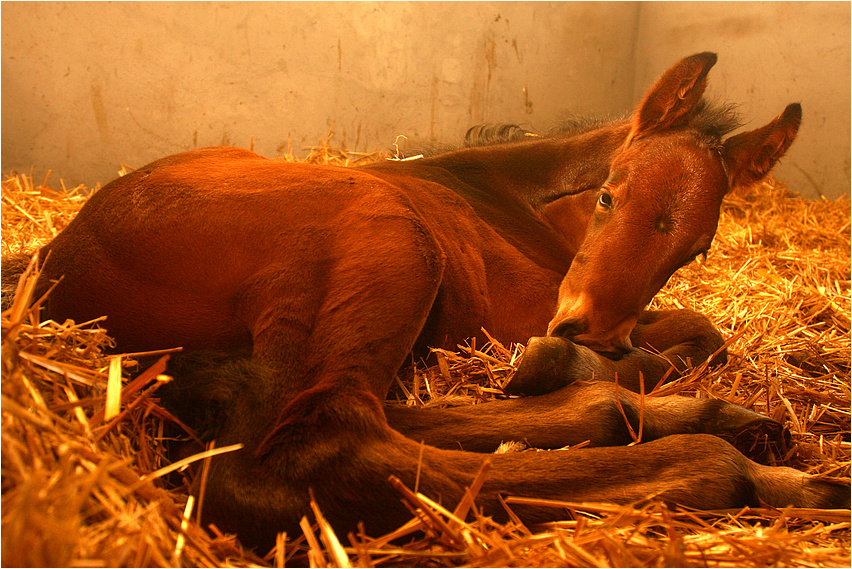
pixel 605 200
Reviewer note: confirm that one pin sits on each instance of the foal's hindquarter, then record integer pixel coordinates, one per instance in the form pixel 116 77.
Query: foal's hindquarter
pixel 330 278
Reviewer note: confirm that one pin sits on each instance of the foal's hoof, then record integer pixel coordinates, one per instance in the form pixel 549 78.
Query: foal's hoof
pixel 544 367
pixel 756 436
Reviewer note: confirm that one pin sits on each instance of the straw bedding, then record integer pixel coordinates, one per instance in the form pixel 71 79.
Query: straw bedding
pixel 85 479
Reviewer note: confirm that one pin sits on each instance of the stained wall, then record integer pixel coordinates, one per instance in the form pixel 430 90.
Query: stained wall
pixel 88 86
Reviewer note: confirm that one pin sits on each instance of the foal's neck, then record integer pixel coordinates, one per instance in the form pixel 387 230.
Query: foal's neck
pixel 540 170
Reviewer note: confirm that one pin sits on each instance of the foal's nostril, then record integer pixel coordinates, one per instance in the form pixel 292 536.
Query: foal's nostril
pixel 569 328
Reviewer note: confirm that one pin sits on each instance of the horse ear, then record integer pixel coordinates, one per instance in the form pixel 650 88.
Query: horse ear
pixel 751 155
pixel 675 95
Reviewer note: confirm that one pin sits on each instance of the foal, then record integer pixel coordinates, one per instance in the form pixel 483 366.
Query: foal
pixel 315 285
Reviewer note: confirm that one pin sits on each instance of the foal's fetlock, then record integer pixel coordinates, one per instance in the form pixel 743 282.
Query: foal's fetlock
pixel 758 437
pixel 550 363
pixel 713 344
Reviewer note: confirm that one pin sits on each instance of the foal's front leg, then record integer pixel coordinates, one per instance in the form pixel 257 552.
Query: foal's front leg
pixel 586 412
pixel 666 343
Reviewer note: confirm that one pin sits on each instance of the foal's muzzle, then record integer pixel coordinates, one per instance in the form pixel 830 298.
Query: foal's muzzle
pixel 569 328
pixel 613 344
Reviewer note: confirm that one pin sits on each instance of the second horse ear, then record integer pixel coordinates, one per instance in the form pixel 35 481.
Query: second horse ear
pixel 749 156
pixel 674 97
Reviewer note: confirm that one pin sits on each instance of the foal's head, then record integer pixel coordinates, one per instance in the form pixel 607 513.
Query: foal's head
pixel 660 205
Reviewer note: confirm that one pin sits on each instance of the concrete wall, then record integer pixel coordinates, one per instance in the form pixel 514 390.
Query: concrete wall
pixel 87 86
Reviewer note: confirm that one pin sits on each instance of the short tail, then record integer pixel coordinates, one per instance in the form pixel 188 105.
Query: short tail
pixel 12 267
pixel 209 386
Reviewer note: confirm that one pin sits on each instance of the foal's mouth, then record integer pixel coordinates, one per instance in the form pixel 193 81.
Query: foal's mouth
pixel 581 324
pixel 613 347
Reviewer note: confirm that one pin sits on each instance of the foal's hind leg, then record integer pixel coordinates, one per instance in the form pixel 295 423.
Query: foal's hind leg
pixel 330 328
pixel 665 344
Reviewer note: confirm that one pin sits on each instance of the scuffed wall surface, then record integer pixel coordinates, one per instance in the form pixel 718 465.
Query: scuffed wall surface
pixel 104 83
pixel 87 86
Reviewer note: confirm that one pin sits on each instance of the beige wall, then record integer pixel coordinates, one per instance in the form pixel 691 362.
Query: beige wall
pixel 87 86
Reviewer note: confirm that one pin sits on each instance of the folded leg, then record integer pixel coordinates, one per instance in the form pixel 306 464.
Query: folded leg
pixel 665 344
pixel 595 412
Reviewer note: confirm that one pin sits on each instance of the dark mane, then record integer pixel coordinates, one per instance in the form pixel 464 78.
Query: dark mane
pixel 568 125
pixel 490 134
pixel 711 121
pixel 486 134
pixel 572 125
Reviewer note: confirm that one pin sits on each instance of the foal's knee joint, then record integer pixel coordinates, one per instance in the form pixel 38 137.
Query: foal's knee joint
pixel 613 414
